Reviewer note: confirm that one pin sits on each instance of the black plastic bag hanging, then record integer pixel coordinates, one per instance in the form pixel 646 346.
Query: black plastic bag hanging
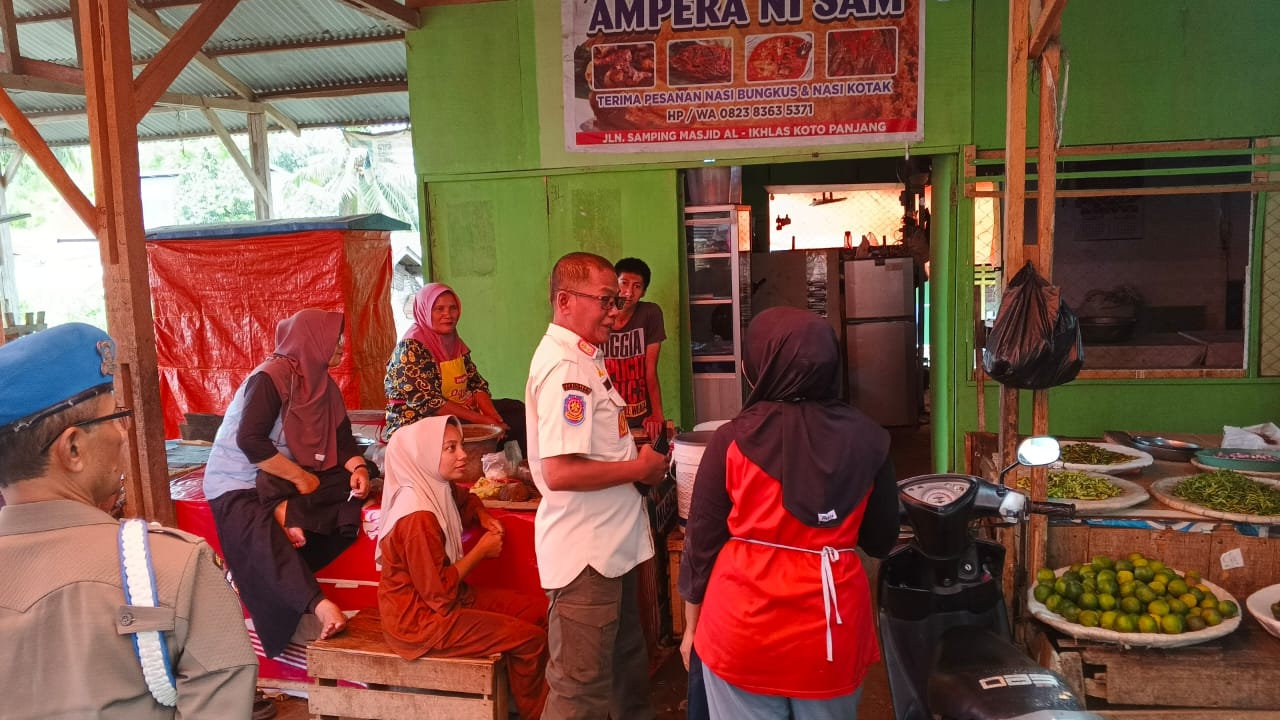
pixel 1035 342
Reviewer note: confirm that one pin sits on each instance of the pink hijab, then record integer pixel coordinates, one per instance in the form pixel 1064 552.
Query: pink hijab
pixel 312 403
pixel 443 347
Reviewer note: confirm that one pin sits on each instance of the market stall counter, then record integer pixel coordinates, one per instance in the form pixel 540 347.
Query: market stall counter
pixel 351 580
pixel 1236 675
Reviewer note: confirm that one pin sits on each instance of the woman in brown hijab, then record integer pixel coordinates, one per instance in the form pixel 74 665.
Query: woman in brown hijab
pixel 776 601
pixel 285 442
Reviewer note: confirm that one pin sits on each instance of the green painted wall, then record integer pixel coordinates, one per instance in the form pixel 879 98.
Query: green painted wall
pixel 505 198
pixel 495 242
pixel 1144 70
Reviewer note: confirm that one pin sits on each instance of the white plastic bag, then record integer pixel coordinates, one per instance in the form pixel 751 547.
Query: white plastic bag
pixel 1266 435
pixel 495 466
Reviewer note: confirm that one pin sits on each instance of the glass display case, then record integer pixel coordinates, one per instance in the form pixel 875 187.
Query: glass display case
pixel 717 245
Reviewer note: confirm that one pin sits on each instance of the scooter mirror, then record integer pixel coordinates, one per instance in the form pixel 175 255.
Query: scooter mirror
pixel 1038 450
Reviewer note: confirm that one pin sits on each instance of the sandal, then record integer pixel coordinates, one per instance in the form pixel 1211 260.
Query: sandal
pixel 264 708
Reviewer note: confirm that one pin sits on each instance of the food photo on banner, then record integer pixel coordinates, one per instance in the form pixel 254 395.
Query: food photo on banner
pixel 679 75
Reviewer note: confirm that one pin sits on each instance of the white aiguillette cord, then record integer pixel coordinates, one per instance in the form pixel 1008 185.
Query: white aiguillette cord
pixel 139 584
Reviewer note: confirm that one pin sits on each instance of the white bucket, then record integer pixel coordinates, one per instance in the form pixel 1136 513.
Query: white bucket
pixel 686 454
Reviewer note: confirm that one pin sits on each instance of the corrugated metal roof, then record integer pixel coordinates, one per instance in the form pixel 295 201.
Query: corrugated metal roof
pixel 356 59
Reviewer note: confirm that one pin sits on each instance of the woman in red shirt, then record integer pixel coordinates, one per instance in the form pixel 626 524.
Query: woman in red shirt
pixel 424 603
pixel 776 601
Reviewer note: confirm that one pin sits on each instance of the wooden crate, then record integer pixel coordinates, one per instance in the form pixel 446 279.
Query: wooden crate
pixel 427 688
pixel 1237 676
pixel 675 550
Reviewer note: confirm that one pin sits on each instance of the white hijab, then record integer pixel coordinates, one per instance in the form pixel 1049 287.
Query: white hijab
pixel 413 482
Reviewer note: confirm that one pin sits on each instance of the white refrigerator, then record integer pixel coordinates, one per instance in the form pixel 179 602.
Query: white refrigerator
pixel 882 359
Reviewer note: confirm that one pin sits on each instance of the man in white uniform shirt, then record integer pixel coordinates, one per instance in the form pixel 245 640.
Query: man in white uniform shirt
pixel 592 529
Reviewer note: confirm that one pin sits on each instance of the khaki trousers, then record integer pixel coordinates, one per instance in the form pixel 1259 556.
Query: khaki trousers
pixel 599 666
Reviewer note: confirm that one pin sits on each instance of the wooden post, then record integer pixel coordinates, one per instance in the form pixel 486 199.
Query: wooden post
pixel 1046 166
pixel 8 278
pixel 113 135
pixel 260 159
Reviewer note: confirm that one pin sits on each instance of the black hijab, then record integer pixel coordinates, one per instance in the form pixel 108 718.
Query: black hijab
pixel 794 426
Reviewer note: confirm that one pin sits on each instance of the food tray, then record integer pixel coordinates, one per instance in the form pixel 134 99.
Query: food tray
pixel 1209 458
pixel 1131 494
pixel 508 505
pixel 1155 640
pixel 1139 460
pixel 1259 605
pixel 1163 491
pixel 1251 473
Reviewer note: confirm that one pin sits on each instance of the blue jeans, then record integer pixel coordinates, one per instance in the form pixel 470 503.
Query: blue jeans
pixel 727 702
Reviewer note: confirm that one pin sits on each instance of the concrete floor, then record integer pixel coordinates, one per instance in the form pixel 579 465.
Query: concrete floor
pixel 911 452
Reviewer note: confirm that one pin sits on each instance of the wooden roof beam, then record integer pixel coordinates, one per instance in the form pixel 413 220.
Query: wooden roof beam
pixel 1048 24
pixel 298 44
pixel 28 138
pixel 12 81
pixel 387 11
pixel 336 91
pixel 224 76
pixel 165 67
pixel 12 60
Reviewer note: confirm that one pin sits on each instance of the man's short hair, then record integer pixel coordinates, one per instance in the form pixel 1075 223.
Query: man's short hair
pixel 24 453
pixel 635 266
pixel 575 269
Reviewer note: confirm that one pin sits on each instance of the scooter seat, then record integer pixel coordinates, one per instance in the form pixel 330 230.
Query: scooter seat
pixel 979 675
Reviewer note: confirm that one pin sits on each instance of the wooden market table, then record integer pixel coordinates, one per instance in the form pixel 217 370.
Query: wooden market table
pixel 1236 677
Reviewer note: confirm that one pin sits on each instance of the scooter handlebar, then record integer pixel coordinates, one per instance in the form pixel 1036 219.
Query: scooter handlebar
pixel 1050 508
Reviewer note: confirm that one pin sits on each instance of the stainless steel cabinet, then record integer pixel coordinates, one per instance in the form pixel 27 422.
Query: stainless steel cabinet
pixel 717 246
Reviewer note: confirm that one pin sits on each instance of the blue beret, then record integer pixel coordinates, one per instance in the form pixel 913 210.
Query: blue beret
pixel 46 369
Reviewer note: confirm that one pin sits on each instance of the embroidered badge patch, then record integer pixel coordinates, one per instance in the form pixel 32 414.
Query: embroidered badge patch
pixel 622 424
pixel 577 387
pixel 107 351
pixel 587 348
pixel 575 409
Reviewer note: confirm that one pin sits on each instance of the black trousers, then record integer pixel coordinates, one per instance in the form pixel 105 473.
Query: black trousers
pixel 275 581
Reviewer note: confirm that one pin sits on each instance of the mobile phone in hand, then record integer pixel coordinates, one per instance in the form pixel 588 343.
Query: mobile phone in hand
pixel 660 444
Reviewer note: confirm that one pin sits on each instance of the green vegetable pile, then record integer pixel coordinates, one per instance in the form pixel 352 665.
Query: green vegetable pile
pixel 1229 491
pixel 1086 454
pixel 1068 484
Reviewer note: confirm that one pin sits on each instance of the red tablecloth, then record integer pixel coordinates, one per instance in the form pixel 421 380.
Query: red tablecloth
pixel 351 580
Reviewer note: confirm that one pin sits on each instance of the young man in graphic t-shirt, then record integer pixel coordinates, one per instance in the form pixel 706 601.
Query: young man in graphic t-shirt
pixel 631 354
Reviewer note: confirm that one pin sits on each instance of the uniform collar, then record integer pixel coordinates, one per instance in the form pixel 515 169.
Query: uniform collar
pixel 572 339
pixel 49 515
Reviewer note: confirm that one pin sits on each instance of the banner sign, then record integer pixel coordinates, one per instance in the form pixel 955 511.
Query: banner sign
pixel 705 74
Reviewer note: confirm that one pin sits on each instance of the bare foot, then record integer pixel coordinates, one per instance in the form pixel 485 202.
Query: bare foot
pixel 295 535
pixel 331 617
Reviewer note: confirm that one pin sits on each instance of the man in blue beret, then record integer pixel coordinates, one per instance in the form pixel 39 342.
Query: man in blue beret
pixel 99 618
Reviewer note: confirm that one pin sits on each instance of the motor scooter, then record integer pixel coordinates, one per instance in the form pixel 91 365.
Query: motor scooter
pixel 944 625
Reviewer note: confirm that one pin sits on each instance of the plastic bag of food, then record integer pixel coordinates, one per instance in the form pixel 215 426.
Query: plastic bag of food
pixel 1035 342
pixel 495 466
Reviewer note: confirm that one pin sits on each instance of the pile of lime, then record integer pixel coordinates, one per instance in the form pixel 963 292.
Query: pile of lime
pixel 1134 594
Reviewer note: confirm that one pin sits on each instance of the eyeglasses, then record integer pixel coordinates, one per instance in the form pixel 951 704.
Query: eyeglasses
pixel 123 417
pixel 617 301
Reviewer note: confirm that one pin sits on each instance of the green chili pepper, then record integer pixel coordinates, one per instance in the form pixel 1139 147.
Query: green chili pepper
pixel 1229 491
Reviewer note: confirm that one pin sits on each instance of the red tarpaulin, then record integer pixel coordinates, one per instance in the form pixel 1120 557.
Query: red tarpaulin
pixel 216 303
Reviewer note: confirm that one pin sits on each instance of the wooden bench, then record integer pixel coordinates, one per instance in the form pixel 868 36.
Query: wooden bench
pixel 428 688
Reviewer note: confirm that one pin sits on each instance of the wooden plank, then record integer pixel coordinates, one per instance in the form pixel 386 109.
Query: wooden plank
pixel 165 67
pixel 352 89
pixel 12 59
pixel 246 168
pixel 389 12
pixel 113 140
pixel 1261 562
pixel 1183 714
pixel 364 703
pixel 29 139
pixel 1132 148
pixel 1046 27
pixel 1140 192
pixel 1047 158
pixel 675 552
pixel 260 159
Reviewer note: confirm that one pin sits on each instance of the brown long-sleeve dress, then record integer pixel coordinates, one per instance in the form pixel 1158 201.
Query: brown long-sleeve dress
pixel 427 609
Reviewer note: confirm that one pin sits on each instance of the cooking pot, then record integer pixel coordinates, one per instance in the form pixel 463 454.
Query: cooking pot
pixel 1101 330
pixel 477 440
